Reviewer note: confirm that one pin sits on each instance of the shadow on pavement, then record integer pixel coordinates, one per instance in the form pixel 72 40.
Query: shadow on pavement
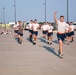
pixel 29 40
pixel 56 41
pixel 42 40
pixel 50 49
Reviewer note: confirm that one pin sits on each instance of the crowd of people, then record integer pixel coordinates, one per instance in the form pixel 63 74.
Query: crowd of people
pixel 65 32
pixel 5 31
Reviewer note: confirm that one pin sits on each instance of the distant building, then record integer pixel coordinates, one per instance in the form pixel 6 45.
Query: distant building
pixel 11 23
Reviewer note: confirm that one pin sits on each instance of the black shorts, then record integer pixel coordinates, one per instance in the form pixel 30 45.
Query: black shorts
pixel 15 31
pixel 35 33
pixel 20 34
pixel 67 34
pixel 50 34
pixel 72 33
pixel 31 31
pixel 44 32
pixel 61 36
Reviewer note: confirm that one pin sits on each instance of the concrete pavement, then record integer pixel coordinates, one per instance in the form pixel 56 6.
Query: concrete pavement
pixel 40 59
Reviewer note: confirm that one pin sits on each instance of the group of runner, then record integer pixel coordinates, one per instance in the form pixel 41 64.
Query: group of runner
pixel 65 32
pixel 47 31
pixel 33 30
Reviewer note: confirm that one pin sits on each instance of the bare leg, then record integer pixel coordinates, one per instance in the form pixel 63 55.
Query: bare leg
pixel 60 46
pixel 35 37
pixel 20 39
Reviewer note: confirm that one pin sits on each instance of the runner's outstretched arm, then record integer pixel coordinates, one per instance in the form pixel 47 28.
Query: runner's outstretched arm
pixel 55 18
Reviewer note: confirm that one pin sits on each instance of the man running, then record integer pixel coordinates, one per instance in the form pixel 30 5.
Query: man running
pixel 44 29
pixel 35 31
pixel 50 33
pixel 30 30
pixel 61 32
pixel 72 31
pixel 67 35
pixel 15 27
pixel 20 32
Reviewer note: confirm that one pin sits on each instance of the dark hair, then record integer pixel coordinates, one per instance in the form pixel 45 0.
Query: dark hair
pixel 19 21
pixel 35 20
pixel 67 22
pixel 15 22
pixel 61 16
pixel 31 20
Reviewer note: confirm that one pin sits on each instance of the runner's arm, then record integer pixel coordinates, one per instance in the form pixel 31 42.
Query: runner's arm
pixel 55 18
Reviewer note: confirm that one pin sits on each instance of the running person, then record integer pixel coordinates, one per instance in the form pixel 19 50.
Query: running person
pixel 72 32
pixel 31 30
pixel 35 31
pixel 20 32
pixel 67 35
pixel 50 33
pixel 15 27
pixel 61 32
pixel 44 29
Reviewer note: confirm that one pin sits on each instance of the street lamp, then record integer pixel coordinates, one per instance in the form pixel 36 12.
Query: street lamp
pixel 14 10
pixel 67 11
pixel 4 16
pixel 45 10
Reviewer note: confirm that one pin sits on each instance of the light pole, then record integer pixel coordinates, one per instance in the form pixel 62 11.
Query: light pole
pixel 4 16
pixel 45 10
pixel 67 11
pixel 1 20
pixel 14 10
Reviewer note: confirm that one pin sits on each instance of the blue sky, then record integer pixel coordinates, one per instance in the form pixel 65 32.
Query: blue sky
pixel 34 9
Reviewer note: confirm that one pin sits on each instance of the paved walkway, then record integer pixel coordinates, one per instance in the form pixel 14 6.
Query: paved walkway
pixel 41 59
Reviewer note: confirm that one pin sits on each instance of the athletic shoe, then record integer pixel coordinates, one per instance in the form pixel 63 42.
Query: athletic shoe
pixel 44 40
pixel 47 42
pixel 61 55
pixel 67 43
pixel 20 42
pixel 71 41
pixel 34 43
pixel 50 43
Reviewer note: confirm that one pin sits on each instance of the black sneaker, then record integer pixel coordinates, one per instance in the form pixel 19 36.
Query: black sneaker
pixel 34 43
pixel 47 42
pixel 20 42
pixel 71 41
pixel 50 43
pixel 44 40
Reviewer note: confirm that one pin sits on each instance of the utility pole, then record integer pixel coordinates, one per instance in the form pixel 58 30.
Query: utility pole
pixel 45 10
pixel 14 10
pixel 4 16
pixel 1 20
pixel 67 12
